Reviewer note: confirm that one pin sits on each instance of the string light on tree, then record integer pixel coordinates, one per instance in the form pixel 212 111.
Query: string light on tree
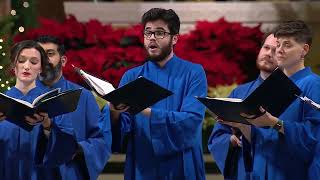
pixel 20 14
pixel 21 29
pixel 13 12
pixel 26 4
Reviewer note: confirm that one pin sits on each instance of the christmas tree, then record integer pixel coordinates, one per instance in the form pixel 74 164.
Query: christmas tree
pixel 22 15
pixel 6 25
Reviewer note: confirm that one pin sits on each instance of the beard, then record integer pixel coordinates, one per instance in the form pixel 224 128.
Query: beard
pixel 57 70
pixel 164 53
pixel 265 65
pixel 52 74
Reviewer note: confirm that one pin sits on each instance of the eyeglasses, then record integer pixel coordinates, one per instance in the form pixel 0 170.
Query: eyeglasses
pixel 157 34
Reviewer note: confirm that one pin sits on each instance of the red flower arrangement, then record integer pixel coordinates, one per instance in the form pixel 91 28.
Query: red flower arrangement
pixel 226 50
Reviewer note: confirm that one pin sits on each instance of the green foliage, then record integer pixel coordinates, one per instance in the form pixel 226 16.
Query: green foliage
pixel 25 17
pixel 6 25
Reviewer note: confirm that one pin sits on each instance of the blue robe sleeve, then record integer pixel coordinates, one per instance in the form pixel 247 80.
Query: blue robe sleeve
pixel 125 118
pixel 56 149
pixel 314 169
pixel 105 126
pixel 300 136
pixel 220 148
pixel 174 131
pixel 119 130
pixel 124 125
pixel 94 147
pixel 219 144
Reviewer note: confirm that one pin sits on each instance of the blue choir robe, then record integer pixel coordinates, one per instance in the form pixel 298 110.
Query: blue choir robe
pixel 314 169
pixel 226 156
pixel 94 147
pixel 32 155
pixel 167 145
pixel 105 126
pixel 288 156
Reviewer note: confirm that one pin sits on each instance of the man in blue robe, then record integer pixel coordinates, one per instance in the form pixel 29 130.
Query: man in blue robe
pixel 35 154
pixel 230 154
pixel 94 147
pixel 164 140
pixel 314 169
pixel 284 147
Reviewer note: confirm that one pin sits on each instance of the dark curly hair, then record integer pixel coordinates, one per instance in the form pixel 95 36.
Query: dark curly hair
pixel 52 39
pixel 168 16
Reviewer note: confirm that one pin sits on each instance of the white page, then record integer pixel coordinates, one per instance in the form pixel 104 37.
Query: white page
pixel 102 87
pixel 57 90
pixel 18 100
pixel 228 99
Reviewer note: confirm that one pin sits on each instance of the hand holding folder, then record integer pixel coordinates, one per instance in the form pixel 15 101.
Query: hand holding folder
pixel 53 102
pixel 2 116
pixel 139 94
pixel 275 94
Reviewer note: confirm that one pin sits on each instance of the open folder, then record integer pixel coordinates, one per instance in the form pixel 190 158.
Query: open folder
pixel 53 102
pixel 275 94
pixel 138 94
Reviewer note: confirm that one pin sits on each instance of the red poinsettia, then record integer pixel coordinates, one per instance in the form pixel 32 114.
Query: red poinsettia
pixel 226 50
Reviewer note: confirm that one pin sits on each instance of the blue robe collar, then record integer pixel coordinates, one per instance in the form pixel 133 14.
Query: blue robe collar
pixel 168 65
pixel 259 79
pixel 15 92
pixel 301 73
pixel 59 83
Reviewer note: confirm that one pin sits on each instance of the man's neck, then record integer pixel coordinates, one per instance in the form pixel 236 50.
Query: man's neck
pixel 264 74
pixel 25 87
pixel 164 62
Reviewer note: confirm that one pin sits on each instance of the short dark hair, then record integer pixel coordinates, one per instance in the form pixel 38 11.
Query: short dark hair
pixel 297 29
pixel 265 36
pixel 52 39
pixel 168 16
pixel 16 49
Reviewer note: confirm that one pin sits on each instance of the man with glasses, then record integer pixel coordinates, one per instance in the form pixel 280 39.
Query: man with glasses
pixel 164 139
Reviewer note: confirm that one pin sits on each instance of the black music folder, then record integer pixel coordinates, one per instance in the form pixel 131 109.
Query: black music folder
pixel 138 94
pixel 275 94
pixel 53 102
